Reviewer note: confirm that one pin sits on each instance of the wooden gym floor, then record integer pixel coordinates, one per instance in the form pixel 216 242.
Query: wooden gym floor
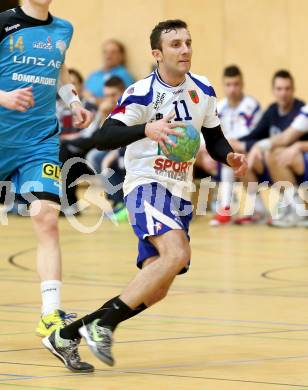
pixel 237 320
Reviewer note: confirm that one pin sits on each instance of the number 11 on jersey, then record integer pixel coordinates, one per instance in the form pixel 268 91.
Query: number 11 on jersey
pixel 178 117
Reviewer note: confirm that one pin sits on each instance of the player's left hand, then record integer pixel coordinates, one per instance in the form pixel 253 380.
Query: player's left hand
pixel 238 163
pixel 287 156
pixel 81 117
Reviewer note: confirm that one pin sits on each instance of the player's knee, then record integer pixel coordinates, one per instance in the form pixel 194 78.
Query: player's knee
pixel 47 222
pixel 178 258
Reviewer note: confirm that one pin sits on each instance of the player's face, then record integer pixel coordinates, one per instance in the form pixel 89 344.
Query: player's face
pixel 283 90
pixel 175 55
pixel 113 94
pixel 233 87
pixel 44 3
pixel 112 55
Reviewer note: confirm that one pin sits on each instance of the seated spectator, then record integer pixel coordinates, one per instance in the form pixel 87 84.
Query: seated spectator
pixel 277 118
pixel 288 161
pixel 113 56
pixel 239 114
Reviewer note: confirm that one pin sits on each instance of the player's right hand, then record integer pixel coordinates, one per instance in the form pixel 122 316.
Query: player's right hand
pixel 159 130
pixel 19 99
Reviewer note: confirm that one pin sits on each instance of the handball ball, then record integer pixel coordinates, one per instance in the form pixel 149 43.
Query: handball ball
pixel 186 147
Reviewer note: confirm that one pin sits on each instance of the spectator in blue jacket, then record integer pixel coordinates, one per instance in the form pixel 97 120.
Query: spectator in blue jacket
pixel 114 58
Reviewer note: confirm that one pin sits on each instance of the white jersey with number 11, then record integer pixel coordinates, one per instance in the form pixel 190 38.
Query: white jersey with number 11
pixel 150 99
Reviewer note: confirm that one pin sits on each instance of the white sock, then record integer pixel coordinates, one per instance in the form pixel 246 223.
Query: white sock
pixel 259 205
pixel 226 186
pixel 51 296
pixel 289 196
pixel 255 204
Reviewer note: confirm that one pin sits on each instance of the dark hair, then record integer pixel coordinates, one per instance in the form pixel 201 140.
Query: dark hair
pixel 283 74
pixel 76 74
pixel 164 27
pixel 121 48
pixel 115 82
pixel 232 71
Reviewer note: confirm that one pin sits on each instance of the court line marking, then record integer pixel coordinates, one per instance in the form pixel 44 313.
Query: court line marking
pixel 274 270
pixel 179 338
pixel 224 379
pixel 223 320
pixel 162 316
pixel 12 257
pixel 203 364
pixel 163 375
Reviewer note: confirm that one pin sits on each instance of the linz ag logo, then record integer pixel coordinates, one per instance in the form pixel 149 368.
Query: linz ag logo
pixel 51 171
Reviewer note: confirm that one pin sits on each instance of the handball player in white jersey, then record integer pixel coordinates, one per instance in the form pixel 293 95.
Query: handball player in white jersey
pixel 156 188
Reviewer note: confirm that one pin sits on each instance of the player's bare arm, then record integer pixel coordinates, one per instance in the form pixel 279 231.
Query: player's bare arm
pixel 287 137
pixel 67 92
pixel 19 99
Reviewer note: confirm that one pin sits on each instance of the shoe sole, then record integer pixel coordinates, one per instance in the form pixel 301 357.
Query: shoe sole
pixel 50 347
pixel 92 345
pixel 282 226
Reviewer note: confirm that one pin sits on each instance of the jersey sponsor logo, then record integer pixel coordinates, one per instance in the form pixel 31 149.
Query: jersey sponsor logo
pixel 160 97
pixel 194 96
pixel 51 171
pixel 29 78
pixel 130 90
pixel 178 91
pixel 172 169
pixel 43 45
pixel 61 46
pixel 10 28
pixel 37 61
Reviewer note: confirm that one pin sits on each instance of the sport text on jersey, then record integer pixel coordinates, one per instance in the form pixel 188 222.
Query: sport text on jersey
pixel 172 169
